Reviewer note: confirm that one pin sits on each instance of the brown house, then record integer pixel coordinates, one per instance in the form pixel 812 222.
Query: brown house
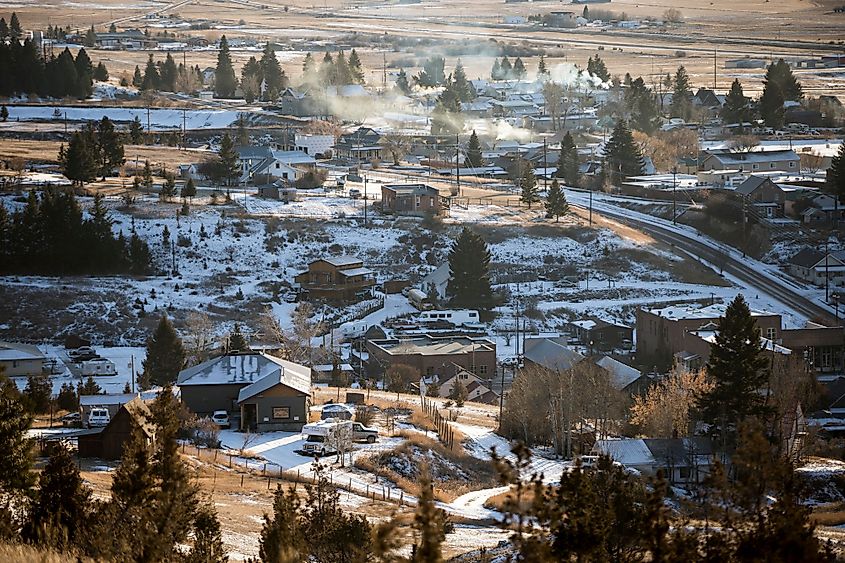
pixel 342 278
pixel 766 197
pixel 443 356
pixel 278 401
pixel 108 442
pixel 410 199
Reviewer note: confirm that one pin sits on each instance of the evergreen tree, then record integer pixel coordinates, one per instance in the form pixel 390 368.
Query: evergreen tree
pixel 109 147
pixel 140 258
pixel 681 95
pixel 225 82
pixel 596 67
pixel 208 540
pixel 780 73
pixel 836 174
pixel 16 476
pixel 556 204
pixel 90 38
pixel 355 70
pixel 736 108
pixel 101 73
pixel 228 160
pixel 4 29
pixel 528 184
pixel 446 117
pixel 112 28
pixel 274 77
pixel 37 393
pixel 469 268
pixel 90 387
pixel 4 113
pixel 496 72
pixel 505 69
pixel 327 71
pixel 541 66
pixel 737 369
pixel 67 399
pixel 430 522
pixel 342 76
pixel 152 80
pixel 309 67
pixel 136 131
pixel 168 188
pixel 474 158
pixel 460 84
pixel 189 190
pixel 623 156
pixel 168 74
pixel 84 75
pixel 282 540
pixel 402 82
pixel 59 515
pixel 147 175
pixel 80 162
pixel 137 79
pixel 586 13
pixel 251 79
pixel 15 31
pixel 433 73
pixel 165 354
pixel 567 164
pixel 641 104
pixel 519 70
pixel 236 340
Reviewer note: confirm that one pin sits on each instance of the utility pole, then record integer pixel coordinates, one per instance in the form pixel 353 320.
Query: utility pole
pixel 545 169
pixel 132 364
pixel 591 206
pixel 365 201
pixel 674 196
pixel 458 163
pixel 714 70
pixel 148 120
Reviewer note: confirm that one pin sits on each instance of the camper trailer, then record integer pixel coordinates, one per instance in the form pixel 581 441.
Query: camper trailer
pixel 98 366
pixel 419 300
pixel 458 317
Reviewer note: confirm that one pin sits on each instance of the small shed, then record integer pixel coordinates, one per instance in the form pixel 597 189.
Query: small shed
pixel 108 442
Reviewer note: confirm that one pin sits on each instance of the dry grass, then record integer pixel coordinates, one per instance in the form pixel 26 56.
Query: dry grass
pixel 15 553
pixel 832 514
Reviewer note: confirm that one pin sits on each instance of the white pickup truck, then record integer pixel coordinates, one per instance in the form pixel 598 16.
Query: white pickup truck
pixel 321 437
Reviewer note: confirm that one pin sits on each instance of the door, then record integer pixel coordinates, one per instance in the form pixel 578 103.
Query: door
pixel 248 418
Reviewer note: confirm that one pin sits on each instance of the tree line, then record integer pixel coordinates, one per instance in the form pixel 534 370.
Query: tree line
pixel 167 76
pixel 50 235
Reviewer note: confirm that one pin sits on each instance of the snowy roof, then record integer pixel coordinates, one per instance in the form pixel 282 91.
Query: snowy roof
pixel 239 369
pixel 438 276
pixel 431 346
pixel 710 337
pixel 727 157
pixel 339 261
pixel 694 311
pixel 330 367
pixel 550 354
pixel 587 324
pixel 621 374
pixel 295 376
pixel 412 189
pixel 13 351
pixel 92 400
pixel 628 452
pixel 356 272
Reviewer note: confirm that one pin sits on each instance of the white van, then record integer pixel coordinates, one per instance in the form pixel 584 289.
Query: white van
pixel 99 416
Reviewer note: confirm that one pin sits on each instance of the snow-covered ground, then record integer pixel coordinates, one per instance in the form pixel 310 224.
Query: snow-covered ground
pixel 159 118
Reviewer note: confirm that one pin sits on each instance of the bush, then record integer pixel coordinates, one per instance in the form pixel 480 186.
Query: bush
pixel 364 415
pixel 203 432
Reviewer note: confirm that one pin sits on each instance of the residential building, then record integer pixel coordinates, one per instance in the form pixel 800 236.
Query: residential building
pixel 264 164
pixel 340 278
pixel 21 360
pixel 110 402
pixel 550 353
pixel 624 378
pixel 766 198
pixel 314 145
pixel 751 161
pixel 818 267
pixel 823 348
pixel 436 281
pixel 217 384
pixel 361 145
pixel 410 199
pixel 325 373
pixel 432 355
pixel 561 19
pixel 108 442
pixel 824 210
pixel 478 389
pixel 599 334
pixel 682 460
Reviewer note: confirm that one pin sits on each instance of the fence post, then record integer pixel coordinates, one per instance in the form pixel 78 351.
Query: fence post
pixel 268 482
pixel 230 461
pixel 264 470
pixel 242 480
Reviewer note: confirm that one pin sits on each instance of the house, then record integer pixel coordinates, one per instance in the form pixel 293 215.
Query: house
pixel 601 335
pixel 111 402
pixel 629 380
pixel 823 209
pixel 707 98
pixel 363 144
pixel 280 400
pixel 752 161
pixel 478 389
pixel 550 353
pixel 301 104
pixel 21 360
pixel 267 164
pixel 766 197
pixel 130 39
pixel 682 460
pixel 278 190
pixel 340 278
pixel 324 373
pixel 434 355
pixel 410 199
pixel 663 332
pixel 563 19
pixel 513 20
pixel 216 384
pixel 436 281
pixel 818 267
pixel 318 146
pixel 745 62
pixel 108 442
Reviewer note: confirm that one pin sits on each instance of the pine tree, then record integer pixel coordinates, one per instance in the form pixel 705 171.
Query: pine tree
pixel 225 82
pixel 37 393
pixel 541 66
pixel 737 368
pixel 67 399
pixel 355 70
pixel 309 67
pixel 15 31
pixel 136 131
pixel 519 70
pixel 735 109
pixel 168 188
pixel 836 174
pixel 101 73
pixel 228 160
pixel 147 175
pixel 430 522
pixel 528 183
pixel 505 69
pixel 433 73
pixel 208 540
pixel 496 71
pixel 91 387
pixel 342 76
pixel 4 113
pixel 556 204
pixel 165 354
pixel 641 104
pixel 460 84
pixel 4 29
pixel 152 80
pixel 474 158
pixel 59 515
pixel 90 38
pixel 236 339
pixel 140 258
pixel 781 74
pixel 112 28
pixel 109 147
pixel 84 75
pixel 469 269
pixel 168 74
pixel 596 67
pixel 281 538
pixel 567 164
pixel 189 190
pixel 79 161
pixel 137 79
pixel 327 71
pixel 402 82
pixel 251 78
pixel 274 77
pixel 16 476
pixel 623 156
pixel 681 95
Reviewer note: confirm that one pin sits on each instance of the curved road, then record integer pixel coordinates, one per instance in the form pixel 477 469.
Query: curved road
pixel 726 258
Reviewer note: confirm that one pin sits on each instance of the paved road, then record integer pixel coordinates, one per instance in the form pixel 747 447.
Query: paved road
pixel 725 258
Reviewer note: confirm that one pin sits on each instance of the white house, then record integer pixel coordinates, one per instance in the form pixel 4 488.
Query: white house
pixel 314 145
pixel 21 360
pixel 269 164
pixel 682 460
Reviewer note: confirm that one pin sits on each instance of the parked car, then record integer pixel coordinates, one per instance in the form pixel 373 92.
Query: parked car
pixel 82 354
pixel 72 420
pixel 354 193
pixel 221 419
pixel 361 433
pixel 337 410
pixel 99 416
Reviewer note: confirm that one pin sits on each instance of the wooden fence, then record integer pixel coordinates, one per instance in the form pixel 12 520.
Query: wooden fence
pixel 444 429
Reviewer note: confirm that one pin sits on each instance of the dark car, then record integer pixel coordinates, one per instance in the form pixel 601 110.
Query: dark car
pixel 72 420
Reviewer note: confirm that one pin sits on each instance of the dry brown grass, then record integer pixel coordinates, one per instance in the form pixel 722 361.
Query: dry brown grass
pixel 832 514
pixel 16 553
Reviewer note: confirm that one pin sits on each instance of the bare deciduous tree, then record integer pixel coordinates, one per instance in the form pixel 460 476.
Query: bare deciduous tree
pixel 199 336
pixel 664 411
pixel 297 341
pixel 553 95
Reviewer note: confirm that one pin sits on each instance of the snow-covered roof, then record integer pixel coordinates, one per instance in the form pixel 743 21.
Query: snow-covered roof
pixel 94 400
pixel 628 452
pixel 13 351
pixel 356 272
pixel 586 324
pixel 727 157
pixel 621 374
pixel 340 261
pixel 550 354
pixel 694 311
pixel 241 369
pixel 330 367
pixel 295 376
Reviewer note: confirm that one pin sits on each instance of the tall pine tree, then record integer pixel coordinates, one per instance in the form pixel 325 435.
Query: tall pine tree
pixel 469 272
pixel 474 158
pixel 225 82
pixel 736 108
pixel 165 355
pixel 556 204
pixel 622 155
pixel 681 95
pixel 567 164
pixel 836 174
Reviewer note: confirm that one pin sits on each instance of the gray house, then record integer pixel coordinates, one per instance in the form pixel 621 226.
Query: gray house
pixel 21 360
pixel 217 384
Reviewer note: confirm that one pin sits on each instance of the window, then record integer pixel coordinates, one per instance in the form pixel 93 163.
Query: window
pixel 684 472
pixel 277 165
pixel 771 165
pixel 482 369
pixel 770 333
pixel 755 166
pixel 418 201
pixel 792 164
pixel 281 412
